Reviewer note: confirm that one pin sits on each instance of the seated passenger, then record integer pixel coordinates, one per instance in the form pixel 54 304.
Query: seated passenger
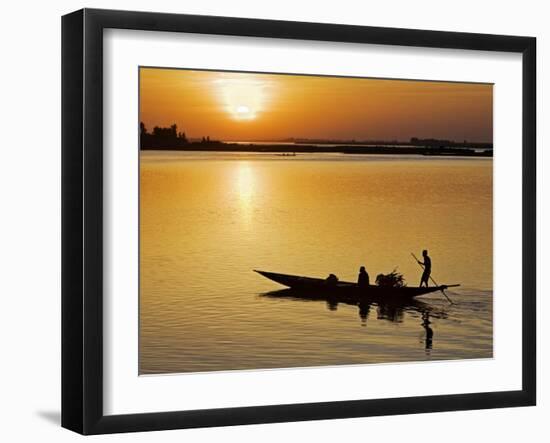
pixel 363 278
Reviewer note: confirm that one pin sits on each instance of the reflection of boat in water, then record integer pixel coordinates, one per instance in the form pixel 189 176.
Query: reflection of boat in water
pixel 387 307
pixel 391 309
pixel 347 292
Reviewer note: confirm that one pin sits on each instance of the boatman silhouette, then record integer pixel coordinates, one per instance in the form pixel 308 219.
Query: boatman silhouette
pixel 427 264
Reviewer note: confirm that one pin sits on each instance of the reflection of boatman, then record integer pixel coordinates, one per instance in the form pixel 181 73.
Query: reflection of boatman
pixel 429 331
pixel 427 268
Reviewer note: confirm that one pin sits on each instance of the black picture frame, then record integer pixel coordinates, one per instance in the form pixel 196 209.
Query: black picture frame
pixel 82 219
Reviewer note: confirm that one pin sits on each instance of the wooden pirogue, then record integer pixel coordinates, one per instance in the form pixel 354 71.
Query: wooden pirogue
pixel 319 288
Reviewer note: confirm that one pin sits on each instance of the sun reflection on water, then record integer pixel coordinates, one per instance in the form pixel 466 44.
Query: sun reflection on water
pixel 245 189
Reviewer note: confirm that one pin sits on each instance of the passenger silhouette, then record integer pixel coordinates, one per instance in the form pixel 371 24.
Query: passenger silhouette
pixel 427 268
pixel 363 278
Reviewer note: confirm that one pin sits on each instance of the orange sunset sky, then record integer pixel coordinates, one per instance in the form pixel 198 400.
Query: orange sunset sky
pixel 244 106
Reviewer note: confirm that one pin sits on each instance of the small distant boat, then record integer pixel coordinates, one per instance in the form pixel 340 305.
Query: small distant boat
pixel 318 288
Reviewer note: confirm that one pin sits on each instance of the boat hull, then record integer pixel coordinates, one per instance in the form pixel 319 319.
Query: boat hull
pixel 318 288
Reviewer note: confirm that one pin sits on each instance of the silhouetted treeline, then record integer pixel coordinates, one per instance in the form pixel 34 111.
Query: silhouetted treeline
pixel 414 141
pixel 170 139
pixel 434 142
pixel 217 146
pixel 418 150
pixel 161 137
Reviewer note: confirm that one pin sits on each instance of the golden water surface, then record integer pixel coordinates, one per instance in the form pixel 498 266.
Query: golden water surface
pixel 208 219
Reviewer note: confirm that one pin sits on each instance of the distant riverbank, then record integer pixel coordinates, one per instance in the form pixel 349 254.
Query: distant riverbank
pixel 292 148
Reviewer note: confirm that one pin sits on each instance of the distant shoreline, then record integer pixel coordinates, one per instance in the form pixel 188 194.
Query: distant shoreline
pixel 291 149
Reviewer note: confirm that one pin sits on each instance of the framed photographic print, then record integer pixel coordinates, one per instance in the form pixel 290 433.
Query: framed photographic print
pixel 269 221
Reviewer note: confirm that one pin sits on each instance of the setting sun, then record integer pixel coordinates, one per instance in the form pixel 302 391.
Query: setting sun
pixel 243 96
pixel 243 112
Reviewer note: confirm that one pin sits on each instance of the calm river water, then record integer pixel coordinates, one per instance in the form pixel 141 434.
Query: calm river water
pixel 209 219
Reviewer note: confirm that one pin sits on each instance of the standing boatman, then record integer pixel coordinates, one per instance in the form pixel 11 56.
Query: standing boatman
pixel 427 264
